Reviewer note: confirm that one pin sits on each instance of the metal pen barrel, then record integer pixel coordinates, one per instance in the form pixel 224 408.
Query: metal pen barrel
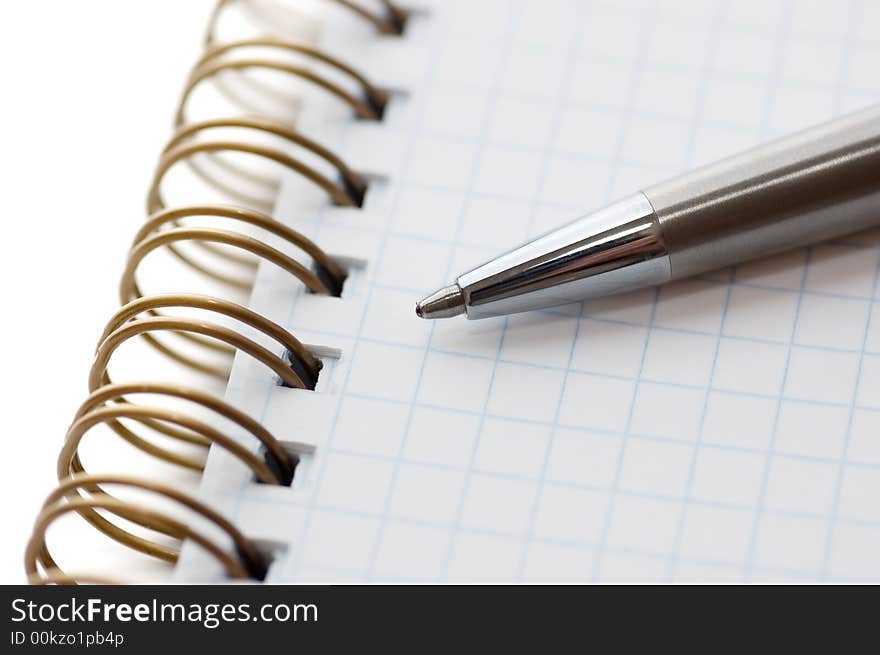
pixel 813 185
pixel 817 184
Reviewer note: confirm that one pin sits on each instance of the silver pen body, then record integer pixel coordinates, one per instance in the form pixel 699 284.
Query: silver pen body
pixel 817 184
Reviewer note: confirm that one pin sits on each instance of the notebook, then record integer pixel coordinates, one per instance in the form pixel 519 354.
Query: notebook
pixel 721 428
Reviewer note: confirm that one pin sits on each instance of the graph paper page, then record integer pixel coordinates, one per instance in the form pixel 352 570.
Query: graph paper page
pixel 723 428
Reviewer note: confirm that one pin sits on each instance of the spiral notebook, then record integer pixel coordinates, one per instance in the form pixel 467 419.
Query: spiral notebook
pixel 723 428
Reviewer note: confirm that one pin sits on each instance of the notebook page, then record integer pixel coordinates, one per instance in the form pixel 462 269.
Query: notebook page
pixel 720 428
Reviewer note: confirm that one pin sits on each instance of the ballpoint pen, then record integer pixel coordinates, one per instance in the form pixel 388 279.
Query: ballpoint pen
pixel 816 184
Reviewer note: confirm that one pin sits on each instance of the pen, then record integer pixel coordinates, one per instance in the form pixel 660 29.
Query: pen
pixel 813 185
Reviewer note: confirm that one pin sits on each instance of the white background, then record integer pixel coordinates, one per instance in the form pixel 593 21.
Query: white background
pixel 87 91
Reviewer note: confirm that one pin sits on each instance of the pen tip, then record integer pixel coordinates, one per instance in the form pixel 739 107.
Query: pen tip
pixel 445 303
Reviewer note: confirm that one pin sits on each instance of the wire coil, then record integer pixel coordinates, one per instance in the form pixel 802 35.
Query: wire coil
pixel 166 422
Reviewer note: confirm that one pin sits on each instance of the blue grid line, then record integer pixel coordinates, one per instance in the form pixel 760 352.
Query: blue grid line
pixel 646 381
pixel 698 446
pixel 587 544
pixel 597 108
pixel 619 433
pixel 583 486
pixel 322 572
pixel 730 29
pixel 856 9
pixel 513 13
pixel 611 432
pixel 782 39
pixel 646 30
pixel 733 27
pixel 833 517
pixel 637 112
pixel 795 84
pixel 519 535
pixel 427 347
pixel 611 321
pixel 572 48
pixel 698 121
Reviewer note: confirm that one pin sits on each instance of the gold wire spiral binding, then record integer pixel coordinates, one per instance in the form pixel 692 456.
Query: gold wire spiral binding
pixel 183 146
pixel 351 183
pixel 369 107
pixel 349 194
pixel 390 20
pixel 69 462
pixel 41 567
pixel 214 62
pixel 300 372
pixel 138 326
pixel 327 280
pixel 186 150
pixel 114 393
pixel 160 534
